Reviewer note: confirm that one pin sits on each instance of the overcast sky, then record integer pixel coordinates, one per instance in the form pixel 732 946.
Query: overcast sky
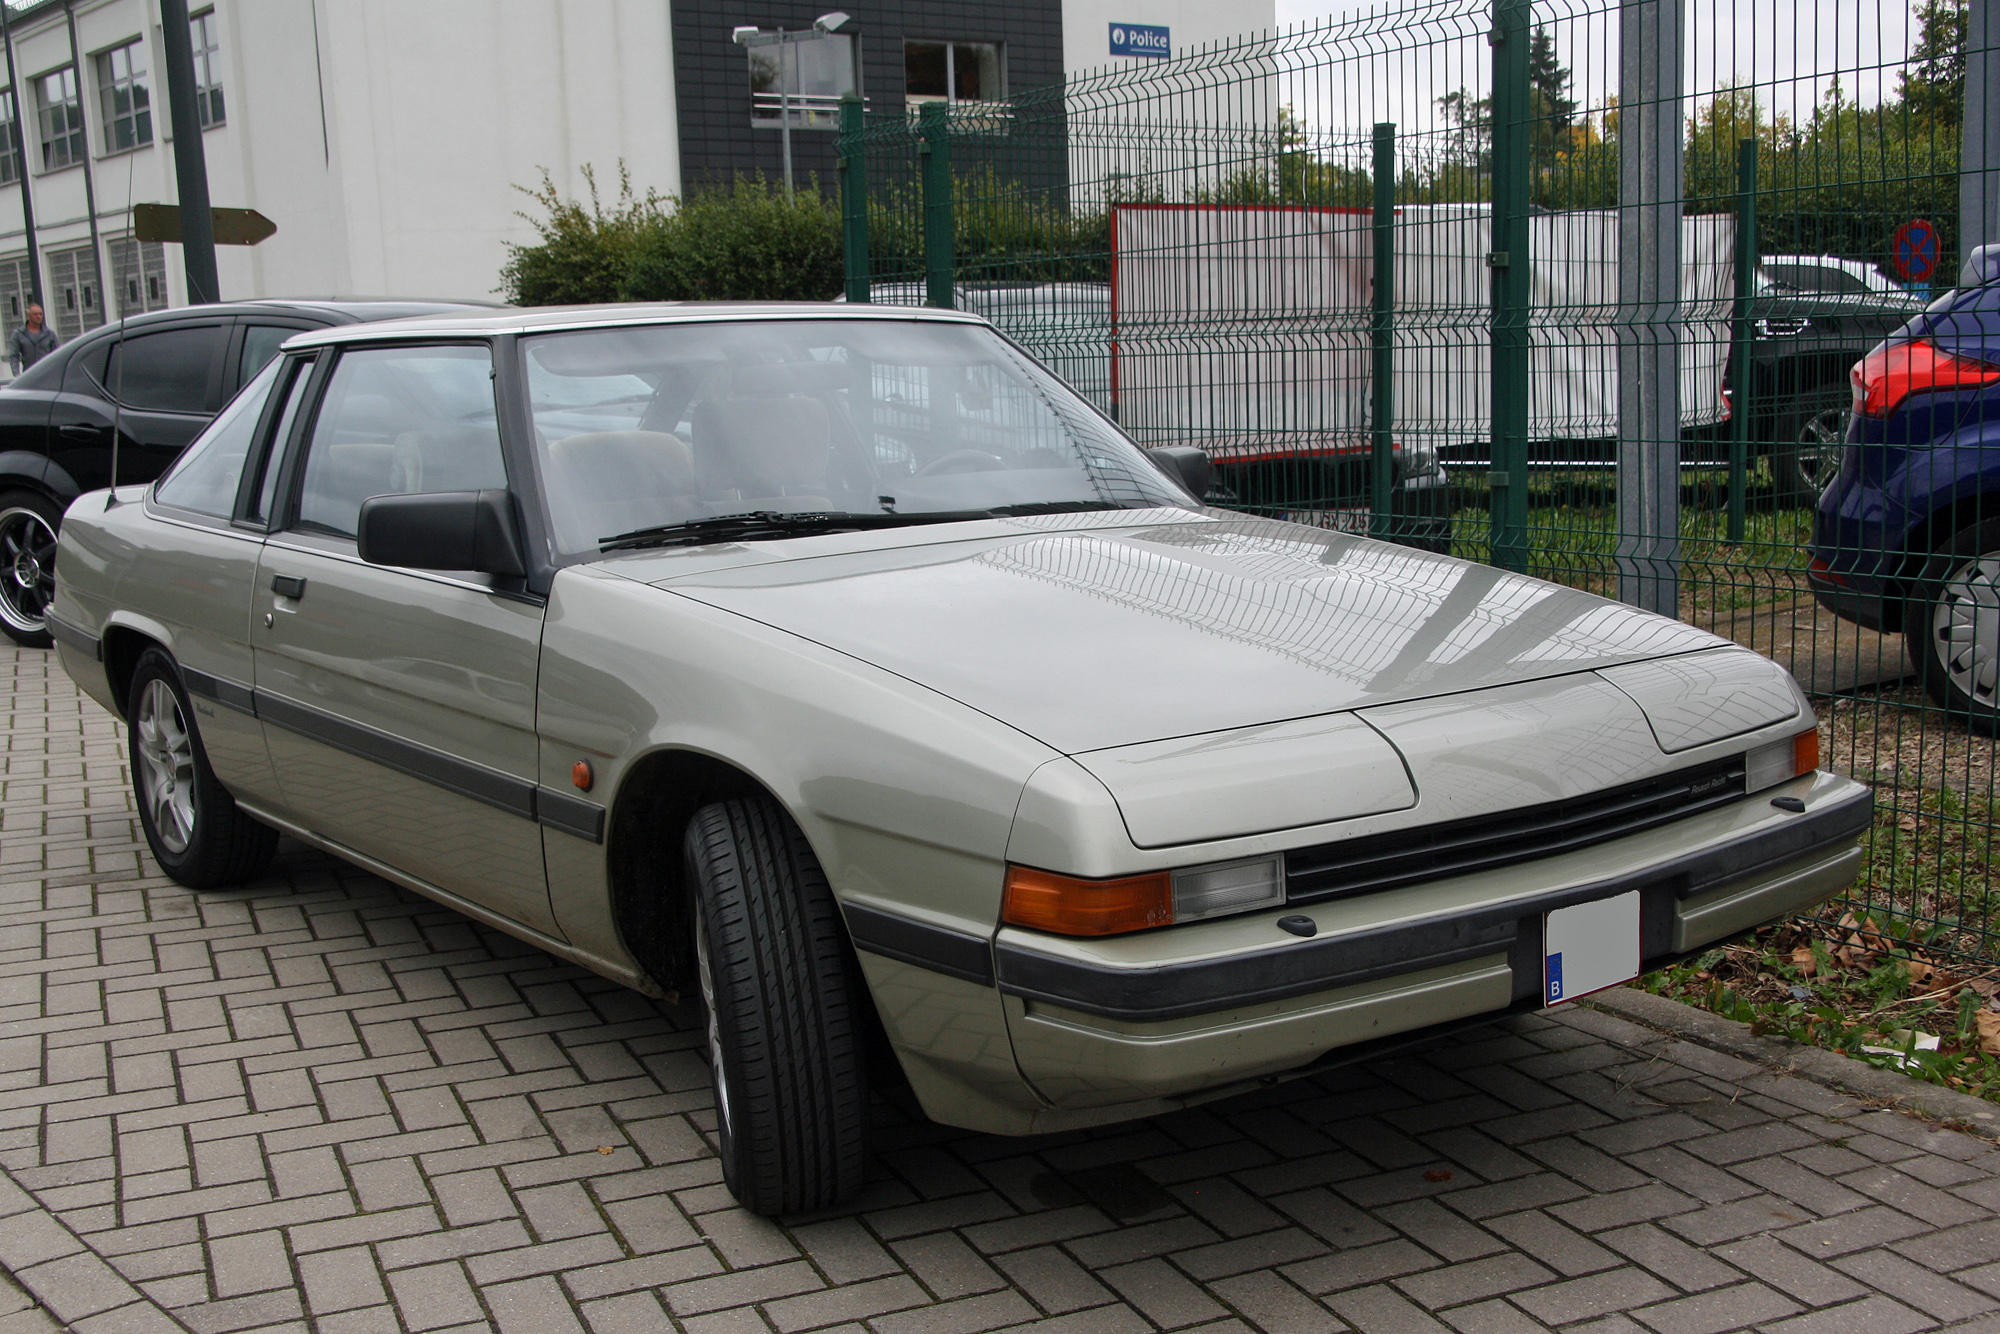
pixel 1791 50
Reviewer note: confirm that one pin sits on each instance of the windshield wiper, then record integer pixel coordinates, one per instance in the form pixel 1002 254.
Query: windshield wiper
pixel 763 525
pixel 759 525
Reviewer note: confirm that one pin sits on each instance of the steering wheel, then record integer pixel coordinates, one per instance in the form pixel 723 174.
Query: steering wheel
pixel 962 460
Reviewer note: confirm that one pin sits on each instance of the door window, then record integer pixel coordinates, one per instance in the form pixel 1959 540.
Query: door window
pixel 260 344
pixel 400 421
pixel 167 371
pixel 206 478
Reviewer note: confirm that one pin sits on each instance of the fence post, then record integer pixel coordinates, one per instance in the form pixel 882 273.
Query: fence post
pixel 1979 152
pixel 1512 271
pixel 1740 401
pixel 1382 335
pixel 1650 137
pixel 854 199
pixel 934 144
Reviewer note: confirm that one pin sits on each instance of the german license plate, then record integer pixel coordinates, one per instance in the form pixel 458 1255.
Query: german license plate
pixel 1589 947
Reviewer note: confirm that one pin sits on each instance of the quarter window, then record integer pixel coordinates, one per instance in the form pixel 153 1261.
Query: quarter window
pixel 206 477
pixel 400 421
pixel 128 107
pixel 207 68
pixel 61 115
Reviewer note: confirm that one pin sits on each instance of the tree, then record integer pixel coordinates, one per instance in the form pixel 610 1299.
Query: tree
pixel 1932 84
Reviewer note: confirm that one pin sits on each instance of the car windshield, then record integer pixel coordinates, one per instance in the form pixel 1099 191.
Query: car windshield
pixel 638 428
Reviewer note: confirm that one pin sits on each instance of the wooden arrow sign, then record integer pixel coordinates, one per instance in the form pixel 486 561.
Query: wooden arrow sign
pixel 233 226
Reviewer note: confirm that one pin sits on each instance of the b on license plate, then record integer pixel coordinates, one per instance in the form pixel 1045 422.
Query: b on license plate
pixel 1590 947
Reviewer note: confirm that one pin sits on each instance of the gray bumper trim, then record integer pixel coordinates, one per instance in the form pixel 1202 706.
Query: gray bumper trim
pixel 1173 991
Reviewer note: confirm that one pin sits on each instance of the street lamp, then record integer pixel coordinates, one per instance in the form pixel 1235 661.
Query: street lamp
pixel 823 26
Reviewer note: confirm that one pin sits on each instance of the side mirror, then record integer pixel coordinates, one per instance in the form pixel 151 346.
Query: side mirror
pixel 448 530
pixel 1187 465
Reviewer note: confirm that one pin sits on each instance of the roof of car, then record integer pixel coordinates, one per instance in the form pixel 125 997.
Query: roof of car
pixel 543 319
pixel 330 310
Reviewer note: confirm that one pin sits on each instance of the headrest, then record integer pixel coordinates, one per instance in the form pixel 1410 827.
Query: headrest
pixel 766 446
pixel 651 463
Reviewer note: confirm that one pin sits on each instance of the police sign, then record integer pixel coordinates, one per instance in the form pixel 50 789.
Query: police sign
pixel 1140 39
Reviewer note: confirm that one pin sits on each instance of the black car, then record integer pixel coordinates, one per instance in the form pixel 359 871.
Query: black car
pixel 157 379
pixel 1804 337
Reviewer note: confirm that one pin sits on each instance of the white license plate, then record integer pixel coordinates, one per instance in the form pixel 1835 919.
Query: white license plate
pixel 1590 947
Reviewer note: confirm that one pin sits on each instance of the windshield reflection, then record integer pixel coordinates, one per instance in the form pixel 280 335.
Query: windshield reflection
pixel 678 423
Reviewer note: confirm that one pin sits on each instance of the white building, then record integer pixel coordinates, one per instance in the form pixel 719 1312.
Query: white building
pixel 387 139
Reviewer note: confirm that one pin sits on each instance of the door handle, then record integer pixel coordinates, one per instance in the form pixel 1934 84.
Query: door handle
pixel 81 430
pixel 288 585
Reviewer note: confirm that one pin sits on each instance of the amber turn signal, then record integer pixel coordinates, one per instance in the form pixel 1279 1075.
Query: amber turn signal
pixel 1072 906
pixel 1805 752
pixel 580 774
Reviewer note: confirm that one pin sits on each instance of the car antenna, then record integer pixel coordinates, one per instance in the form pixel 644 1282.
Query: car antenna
pixel 118 345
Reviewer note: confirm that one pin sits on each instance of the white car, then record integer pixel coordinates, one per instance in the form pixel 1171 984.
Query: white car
pixel 843 668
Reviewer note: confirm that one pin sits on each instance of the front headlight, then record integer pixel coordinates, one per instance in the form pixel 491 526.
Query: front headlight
pixel 1074 906
pixel 1781 761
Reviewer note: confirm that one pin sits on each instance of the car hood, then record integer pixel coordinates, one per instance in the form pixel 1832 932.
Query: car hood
pixel 1090 637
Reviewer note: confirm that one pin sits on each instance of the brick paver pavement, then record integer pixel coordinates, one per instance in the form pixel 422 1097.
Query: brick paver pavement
pixel 319 1103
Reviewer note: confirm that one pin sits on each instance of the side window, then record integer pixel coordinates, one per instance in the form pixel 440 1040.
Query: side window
pixel 400 421
pixel 205 478
pixel 86 369
pixel 294 379
pixel 260 344
pixel 167 371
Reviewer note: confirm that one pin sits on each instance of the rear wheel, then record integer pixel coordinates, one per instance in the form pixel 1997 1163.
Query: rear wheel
pixel 784 1009
pixel 28 523
pixel 1952 626
pixel 194 827
pixel 1808 439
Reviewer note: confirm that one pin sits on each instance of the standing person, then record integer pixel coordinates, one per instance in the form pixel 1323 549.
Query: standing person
pixel 32 341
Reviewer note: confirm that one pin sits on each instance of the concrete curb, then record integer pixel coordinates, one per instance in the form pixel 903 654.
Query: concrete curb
pixel 1961 1110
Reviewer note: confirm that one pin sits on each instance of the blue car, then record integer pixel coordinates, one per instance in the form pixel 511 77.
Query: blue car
pixel 1907 538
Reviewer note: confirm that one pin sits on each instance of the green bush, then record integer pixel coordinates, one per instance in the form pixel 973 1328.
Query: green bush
pixel 742 242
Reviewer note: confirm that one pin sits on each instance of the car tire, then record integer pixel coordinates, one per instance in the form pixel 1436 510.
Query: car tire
pixel 198 834
pixel 28 524
pixel 1808 439
pixel 1952 626
pixel 784 1010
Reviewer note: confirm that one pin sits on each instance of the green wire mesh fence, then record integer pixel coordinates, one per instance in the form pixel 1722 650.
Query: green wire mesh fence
pixel 1460 274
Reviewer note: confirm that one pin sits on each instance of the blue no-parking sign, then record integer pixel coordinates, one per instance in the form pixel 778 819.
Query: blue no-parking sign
pixel 1140 39
pixel 1916 251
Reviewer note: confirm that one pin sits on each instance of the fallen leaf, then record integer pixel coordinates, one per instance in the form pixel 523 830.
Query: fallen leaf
pixel 1802 959
pixel 1439 1174
pixel 1988 1024
pixel 607 1148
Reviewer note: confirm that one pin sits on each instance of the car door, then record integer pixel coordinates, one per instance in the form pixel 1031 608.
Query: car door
pixel 159 387
pixel 198 575
pixel 399 704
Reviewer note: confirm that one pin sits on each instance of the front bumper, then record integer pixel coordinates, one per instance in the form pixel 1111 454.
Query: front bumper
pixel 1133 1025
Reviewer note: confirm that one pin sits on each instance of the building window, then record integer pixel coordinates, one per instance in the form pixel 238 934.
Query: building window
pixel 811 74
pixel 61 114
pixel 75 303
pixel 207 68
pixel 952 72
pixel 138 275
pixel 128 109
pixel 10 161
pixel 16 289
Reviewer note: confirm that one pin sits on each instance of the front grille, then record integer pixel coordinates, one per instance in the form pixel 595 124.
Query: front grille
pixel 1460 847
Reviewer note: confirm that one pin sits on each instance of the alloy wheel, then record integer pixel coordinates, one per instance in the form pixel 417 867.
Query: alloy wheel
pixel 27 569
pixel 1822 439
pixel 707 982
pixel 166 766
pixel 1965 630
